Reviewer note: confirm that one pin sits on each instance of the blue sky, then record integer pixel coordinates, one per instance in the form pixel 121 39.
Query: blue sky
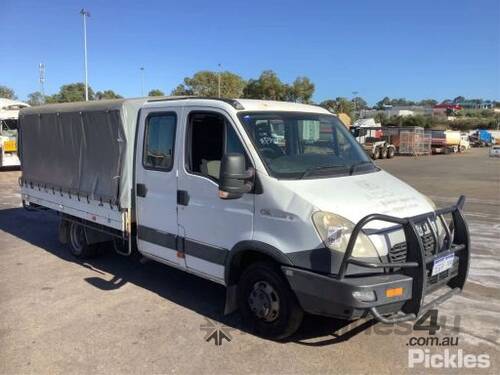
pixel 413 49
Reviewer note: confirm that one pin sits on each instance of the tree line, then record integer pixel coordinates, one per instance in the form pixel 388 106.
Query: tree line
pixel 230 85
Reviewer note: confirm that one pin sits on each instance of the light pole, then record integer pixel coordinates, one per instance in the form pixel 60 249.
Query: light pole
pixel 142 80
pixel 218 81
pixel 41 71
pixel 85 14
pixel 354 93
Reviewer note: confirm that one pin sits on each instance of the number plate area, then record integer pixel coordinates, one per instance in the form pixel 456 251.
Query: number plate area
pixel 442 264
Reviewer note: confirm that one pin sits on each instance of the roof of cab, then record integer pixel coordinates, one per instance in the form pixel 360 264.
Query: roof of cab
pixel 237 104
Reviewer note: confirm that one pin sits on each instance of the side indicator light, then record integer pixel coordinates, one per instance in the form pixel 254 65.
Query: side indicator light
pixel 394 292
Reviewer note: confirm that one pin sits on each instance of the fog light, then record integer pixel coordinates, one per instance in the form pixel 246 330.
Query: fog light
pixel 365 295
pixel 394 292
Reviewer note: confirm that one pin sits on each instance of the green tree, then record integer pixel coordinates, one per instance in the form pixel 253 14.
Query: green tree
pixel 7 93
pixel 382 103
pixel 107 94
pixel 267 86
pixel 329 104
pixel 181 90
pixel 344 105
pixel 206 84
pixel 301 90
pixel 156 92
pixel 35 98
pixel 427 102
pixel 73 92
pixel 381 118
pixel 359 103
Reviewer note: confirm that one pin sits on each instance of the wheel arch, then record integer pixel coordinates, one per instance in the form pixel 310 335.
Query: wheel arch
pixel 245 250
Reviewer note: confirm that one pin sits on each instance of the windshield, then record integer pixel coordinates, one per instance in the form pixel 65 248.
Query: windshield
pixel 297 145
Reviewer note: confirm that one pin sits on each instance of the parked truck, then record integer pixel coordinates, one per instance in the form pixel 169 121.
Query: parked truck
pixel 9 112
pixel 371 136
pixel 456 141
pixel 445 141
pixel 203 185
pixel 481 138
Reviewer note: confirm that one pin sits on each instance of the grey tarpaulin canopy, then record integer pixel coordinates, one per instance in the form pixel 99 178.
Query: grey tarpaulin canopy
pixel 81 148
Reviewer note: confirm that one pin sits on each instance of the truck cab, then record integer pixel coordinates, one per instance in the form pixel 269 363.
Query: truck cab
pixel 276 201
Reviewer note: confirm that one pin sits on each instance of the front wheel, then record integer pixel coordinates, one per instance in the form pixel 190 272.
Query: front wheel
pixel 78 244
pixel 267 304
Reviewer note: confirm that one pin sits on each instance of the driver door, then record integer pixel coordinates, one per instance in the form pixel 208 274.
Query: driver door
pixel 210 225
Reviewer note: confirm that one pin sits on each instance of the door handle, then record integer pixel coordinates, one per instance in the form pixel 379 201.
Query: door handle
pixel 182 197
pixel 141 190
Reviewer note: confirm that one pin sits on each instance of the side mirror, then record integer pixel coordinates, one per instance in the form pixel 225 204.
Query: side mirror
pixel 355 132
pixel 234 179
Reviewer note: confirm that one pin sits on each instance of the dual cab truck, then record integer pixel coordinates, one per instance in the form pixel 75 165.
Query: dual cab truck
pixel 296 221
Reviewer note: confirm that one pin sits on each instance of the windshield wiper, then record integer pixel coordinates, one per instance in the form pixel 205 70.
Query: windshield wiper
pixel 321 168
pixel 354 166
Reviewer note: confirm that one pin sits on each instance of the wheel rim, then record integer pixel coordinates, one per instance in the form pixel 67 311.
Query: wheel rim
pixel 264 301
pixel 77 238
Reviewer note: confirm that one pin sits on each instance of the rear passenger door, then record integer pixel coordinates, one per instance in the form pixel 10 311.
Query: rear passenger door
pixel 156 184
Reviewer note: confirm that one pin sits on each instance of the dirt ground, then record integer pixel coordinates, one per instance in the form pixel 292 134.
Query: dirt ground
pixel 117 315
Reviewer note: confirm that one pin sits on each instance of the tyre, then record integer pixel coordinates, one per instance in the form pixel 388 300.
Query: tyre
pixel 462 148
pixel 383 153
pixel 267 304
pixel 391 151
pixel 77 240
pixel 376 154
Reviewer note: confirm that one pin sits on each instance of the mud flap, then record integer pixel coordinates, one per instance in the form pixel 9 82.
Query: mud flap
pixel 231 299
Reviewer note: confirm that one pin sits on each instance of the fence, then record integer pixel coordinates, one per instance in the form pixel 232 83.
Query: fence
pixel 410 141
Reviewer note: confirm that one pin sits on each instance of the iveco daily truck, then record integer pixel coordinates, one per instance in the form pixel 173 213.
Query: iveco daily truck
pixel 276 201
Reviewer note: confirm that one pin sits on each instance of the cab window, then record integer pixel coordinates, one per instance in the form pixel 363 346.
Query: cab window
pixel 159 140
pixel 210 136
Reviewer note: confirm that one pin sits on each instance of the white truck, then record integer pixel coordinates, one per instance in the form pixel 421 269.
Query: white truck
pixel 306 223
pixel 370 135
pixel 9 112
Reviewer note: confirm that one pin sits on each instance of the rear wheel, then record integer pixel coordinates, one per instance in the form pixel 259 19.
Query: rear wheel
pixel 267 304
pixel 78 244
pixel 383 153
pixel 391 151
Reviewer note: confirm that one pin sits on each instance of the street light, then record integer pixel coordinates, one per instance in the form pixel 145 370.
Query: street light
pixel 220 70
pixel 142 80
pixel 354 93
pixel 41 71
pixel 85 14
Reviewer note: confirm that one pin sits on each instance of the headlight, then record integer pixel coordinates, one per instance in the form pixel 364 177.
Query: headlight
pixel 335 231
pixel 431 202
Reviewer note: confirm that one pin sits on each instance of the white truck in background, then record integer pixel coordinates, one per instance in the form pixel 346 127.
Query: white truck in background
pixel 370 135
pixel 9 113
pixel 294 222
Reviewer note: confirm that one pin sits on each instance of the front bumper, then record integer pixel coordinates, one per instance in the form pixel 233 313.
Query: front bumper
pixel 333 295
